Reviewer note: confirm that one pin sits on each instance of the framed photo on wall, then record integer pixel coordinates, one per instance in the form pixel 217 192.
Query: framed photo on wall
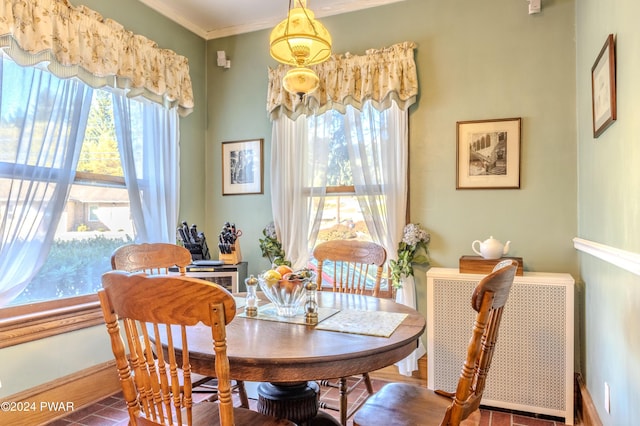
pixel 603 88
pixel 242 167
pixel 488 154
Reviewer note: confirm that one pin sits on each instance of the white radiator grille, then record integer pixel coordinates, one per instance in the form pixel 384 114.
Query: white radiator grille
pixel 529 368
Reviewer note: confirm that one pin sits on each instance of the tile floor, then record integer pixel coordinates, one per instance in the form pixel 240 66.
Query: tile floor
pixel 111 412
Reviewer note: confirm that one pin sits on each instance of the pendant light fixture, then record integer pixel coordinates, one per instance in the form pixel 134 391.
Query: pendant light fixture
pixel 300 40
pixel 300 80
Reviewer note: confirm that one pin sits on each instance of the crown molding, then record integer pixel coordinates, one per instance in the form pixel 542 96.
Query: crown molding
pixel 168 12
pixel 173 14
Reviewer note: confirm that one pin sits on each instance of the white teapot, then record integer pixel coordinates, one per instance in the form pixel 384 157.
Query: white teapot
pixel 490 248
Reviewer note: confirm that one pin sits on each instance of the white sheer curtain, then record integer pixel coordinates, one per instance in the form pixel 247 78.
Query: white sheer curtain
pixel 148 136
pixel 299 185
pixel 43 124
pixel 378 152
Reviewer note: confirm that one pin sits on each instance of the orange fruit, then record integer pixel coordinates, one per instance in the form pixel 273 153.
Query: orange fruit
pixel 284 269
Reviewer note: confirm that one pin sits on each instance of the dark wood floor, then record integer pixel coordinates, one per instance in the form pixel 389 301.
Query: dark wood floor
pixel 112 412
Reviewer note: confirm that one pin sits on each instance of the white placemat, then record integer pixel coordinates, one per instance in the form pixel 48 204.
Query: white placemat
pixel 240 302
pixel 371 323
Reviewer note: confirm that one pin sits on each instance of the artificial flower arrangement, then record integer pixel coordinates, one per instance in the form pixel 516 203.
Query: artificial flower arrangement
pixel 271 247
pixel 412 249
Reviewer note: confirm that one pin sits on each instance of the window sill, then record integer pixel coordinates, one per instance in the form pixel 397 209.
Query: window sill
pixel 29 326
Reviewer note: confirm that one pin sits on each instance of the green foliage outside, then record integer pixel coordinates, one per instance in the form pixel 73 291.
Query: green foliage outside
pixel 100 147
pixel 73 268
pixel 339 167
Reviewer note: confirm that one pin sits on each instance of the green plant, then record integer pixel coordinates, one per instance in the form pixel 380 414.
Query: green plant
pixel 271 247
pixel 412 249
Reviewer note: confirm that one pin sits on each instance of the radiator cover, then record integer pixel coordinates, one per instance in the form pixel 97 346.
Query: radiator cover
pixel 532 367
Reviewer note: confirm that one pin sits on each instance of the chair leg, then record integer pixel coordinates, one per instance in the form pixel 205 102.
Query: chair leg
pixel 204 387
pixel 343 401
pixel 356 405
pixel 344 390
pixel 242 393
pixel 367 382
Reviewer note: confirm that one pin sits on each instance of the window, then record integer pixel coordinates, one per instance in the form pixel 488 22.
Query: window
pixel 96 218
pixel 342 216
pixel 41 123
pixel 350 138
pixel 303 183
pixel 55 207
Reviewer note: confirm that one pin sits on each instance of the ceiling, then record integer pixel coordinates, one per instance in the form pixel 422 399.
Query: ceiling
pixel 212 19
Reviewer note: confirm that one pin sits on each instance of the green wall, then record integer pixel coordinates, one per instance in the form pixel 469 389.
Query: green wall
pixel 476 60
pixel 609 210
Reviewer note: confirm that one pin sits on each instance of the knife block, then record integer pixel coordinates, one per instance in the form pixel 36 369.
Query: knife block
pixel 235 257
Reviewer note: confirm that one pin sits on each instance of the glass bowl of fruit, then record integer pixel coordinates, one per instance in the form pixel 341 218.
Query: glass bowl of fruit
pixel 285 288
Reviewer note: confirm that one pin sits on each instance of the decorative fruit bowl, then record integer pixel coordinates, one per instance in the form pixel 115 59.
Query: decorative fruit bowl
pixel 286 291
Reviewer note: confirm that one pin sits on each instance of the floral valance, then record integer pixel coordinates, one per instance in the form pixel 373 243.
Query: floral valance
pixel 77 41
pixel 381 75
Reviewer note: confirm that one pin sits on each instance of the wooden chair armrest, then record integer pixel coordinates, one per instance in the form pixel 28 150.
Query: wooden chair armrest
pixel 446 394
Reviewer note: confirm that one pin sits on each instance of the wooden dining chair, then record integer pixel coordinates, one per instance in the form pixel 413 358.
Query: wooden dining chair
pixel 350 266
pixel 402 404
pixel 151 258
pixel 354 264
pixel 156 386
pixel 157 258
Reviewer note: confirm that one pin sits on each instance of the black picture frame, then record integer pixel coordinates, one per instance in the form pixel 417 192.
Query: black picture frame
pixel 242 167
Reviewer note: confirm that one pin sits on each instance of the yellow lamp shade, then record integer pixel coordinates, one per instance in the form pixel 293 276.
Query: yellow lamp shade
pixel 300 40
pixel 300 81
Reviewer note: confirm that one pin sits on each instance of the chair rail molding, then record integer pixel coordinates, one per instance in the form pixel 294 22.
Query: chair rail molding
pixel 620 258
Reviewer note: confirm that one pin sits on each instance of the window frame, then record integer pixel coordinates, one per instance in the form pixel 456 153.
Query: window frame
pixel 26 323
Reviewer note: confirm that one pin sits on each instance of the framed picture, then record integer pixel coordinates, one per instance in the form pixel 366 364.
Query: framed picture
pixel 603 88
pixel 242 166
pixel 488 154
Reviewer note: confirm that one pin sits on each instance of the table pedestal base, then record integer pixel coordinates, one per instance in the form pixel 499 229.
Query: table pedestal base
pixel 296 401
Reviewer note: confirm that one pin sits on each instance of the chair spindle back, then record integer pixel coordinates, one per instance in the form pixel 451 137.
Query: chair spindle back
pixel 488 300
pixel 354 262
pixel 156 310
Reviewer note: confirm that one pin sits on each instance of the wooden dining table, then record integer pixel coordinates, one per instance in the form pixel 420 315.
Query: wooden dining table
pixel 288 358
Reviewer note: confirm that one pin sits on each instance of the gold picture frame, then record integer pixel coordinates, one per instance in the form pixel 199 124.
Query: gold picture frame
pixel 603 88
pixel 488 154
pixel 242 167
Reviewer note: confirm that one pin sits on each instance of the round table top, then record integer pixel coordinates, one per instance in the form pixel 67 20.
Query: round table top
pixel 262 350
